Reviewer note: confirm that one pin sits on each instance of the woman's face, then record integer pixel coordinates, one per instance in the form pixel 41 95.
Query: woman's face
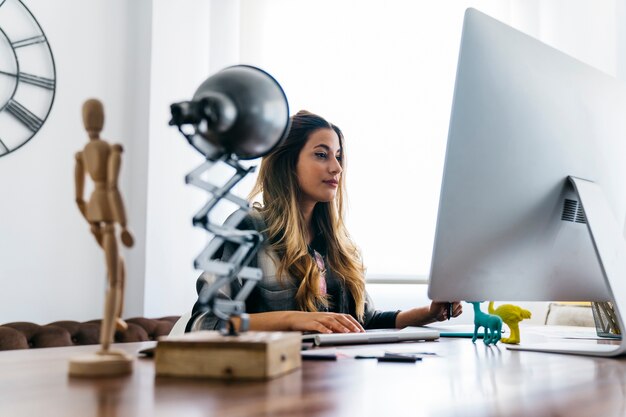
pixel 319 166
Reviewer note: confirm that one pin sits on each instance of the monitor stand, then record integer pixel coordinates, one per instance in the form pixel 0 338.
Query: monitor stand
pixel 608 241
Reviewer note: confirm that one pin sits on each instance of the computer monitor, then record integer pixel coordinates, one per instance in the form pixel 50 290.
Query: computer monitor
pixel 525 119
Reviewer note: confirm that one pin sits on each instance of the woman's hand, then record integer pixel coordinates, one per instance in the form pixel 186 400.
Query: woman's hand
pixel 439 310
pixel 323 322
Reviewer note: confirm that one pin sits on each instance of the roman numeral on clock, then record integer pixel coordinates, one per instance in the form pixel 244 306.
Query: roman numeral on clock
pixel 36 80
pixel 21 113
pixel 29 41
pixel 43 82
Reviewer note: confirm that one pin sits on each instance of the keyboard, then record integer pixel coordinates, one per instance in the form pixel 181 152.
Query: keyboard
pixel 372 336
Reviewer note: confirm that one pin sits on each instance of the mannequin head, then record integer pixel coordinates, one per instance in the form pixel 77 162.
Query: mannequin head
pixel 93 117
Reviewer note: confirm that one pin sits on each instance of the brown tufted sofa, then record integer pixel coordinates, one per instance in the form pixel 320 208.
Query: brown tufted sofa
pixel 24 335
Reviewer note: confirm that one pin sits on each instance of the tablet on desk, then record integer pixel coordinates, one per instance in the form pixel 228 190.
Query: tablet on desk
pixel 372 336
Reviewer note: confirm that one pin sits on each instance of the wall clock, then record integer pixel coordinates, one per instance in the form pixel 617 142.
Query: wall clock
pixel 27 76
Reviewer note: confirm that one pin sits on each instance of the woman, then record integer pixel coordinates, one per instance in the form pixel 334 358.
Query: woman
pixel 313 276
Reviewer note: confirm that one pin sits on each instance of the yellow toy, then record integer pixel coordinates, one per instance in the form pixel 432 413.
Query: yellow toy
pixel 511 315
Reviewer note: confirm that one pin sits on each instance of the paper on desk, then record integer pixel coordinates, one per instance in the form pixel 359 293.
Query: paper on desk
pixel 566 332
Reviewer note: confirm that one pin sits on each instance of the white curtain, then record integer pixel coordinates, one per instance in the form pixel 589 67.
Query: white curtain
pixel 384 72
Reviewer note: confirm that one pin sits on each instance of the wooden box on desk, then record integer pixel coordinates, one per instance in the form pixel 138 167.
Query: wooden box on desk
pixel 209 354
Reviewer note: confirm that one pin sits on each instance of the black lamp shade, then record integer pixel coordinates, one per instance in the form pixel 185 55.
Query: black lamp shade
pixel 250 111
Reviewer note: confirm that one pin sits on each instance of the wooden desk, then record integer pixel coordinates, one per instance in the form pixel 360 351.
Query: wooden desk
pixel 462 380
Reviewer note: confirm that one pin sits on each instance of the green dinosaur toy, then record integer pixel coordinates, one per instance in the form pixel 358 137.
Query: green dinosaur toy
pixel 491 323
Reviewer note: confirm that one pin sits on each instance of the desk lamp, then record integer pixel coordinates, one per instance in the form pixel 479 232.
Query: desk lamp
pixel 237 114
pixel 240 113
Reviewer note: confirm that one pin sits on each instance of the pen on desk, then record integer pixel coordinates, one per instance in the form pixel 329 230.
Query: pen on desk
pixel 148 353
pixel 418 354
pixel 319 357
pixel 398 358
pixel 390 357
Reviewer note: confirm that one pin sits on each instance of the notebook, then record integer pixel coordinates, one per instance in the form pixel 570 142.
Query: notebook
pixel 372 336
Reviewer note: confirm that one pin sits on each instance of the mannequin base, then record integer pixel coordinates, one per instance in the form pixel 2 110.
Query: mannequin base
pixel 101 364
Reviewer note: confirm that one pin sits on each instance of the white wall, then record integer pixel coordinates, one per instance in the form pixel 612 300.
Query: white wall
pixel 50 265
pixel 586 30
pixel 140 56
pixel 180 62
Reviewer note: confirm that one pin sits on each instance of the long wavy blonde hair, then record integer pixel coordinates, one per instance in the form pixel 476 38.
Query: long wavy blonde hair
pixel 277 183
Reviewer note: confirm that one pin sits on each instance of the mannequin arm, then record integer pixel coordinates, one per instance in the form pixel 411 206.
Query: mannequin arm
pixel 115 198
pixel 79 183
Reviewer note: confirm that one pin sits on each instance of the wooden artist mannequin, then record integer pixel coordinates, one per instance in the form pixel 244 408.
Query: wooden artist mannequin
pixel 101 161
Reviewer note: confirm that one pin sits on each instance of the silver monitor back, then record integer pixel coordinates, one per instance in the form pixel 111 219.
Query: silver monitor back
pixel 525 117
